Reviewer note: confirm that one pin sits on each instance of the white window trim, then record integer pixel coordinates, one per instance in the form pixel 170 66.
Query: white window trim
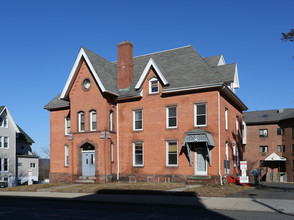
pixel 195 115
pixel 65 125
pixel 134 121
pixel 167 117
pixel 226 119
pixel 150 83
pixel 80 113
pixel 227 150
pixel 31 166
pixel 167 161
pixel 66 156
pixel 110 121
pixel 91 120
pixel 111 152
pixel 234 155
pixel 138 165
pixel 237 124
pixel 4 142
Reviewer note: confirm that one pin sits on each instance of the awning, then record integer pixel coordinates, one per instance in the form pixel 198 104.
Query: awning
pixel 196 136
pixel 275 157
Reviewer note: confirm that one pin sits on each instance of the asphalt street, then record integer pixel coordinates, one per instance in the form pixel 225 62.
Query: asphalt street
pixel 28 208
pixel 269 191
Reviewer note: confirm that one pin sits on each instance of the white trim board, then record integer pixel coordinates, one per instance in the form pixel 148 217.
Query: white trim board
pixel 145 72
pixel 72 75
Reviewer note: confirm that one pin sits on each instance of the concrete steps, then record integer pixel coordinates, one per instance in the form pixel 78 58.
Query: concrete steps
pixel 86 179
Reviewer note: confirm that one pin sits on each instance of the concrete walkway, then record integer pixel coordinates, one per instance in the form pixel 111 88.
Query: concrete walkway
pixel 243 204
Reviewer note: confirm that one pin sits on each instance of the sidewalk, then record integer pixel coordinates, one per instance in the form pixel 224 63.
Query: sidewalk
pixel 242 204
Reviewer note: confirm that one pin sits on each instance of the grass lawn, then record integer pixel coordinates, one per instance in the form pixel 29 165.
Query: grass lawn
pixel 122 187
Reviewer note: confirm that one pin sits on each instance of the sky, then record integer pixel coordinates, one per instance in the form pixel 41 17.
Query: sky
pixel 40 41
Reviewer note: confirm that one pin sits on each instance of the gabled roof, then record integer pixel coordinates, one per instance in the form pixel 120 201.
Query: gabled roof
pixel 275 157
pixel 268 116
pixel 23 136
pixel 179 69
pixel 4 108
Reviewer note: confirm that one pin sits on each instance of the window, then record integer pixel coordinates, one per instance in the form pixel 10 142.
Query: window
pixel 262 149
pixel 234 154
pixel 153 86
pixel 32 165
pixel 237 125
pixel 243 148
pixel 279 131
pixel 292 147
pixel 281 148
pixel 81 121
pixel 110 120
pixel 93 120
pixel 171 153
pixel 227 150
pixel 67 125
pixel 138 120
pixel 19 164
pixel 111 152
pixel 226 118
pixel 1 141
pixel 4 122
pixel 292 132
pixel 200 114
pixel 293 163
pixel 171 116
pixel 6 145
pixel 138 159
pixel 263 133
pixel 4 164
pixel 66 155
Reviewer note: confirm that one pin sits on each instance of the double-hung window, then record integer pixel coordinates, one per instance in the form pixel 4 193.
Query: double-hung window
pixel 237 125
pixel 281 148
pixel 93 120
pixel 171 117
pixel 66 155
pixel 6 142
pixel 1 141
pixel 234 155
pixel 138 120
pixel 200 114
pixel 263 133
pixel 4 122
pixel 226 118
pixel 172 153
pixel 81 121
pixel 32 165
pixel 138 154
pixel 110 120
pixel 153 86
pixel 67 125
pixel 263 149
pixel 4 164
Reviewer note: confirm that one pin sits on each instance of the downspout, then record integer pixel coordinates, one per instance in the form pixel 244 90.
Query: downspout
pixel 219 142
pixel 117 143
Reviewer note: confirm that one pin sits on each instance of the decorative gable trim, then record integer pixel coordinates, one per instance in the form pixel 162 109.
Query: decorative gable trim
pixel 10 119
pixel 72 75
pixel 236 78
pixel 145 72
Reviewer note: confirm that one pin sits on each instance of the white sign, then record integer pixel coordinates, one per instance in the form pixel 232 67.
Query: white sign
pixel 243 172
pixel 243 165
pixel 30 182
pixel 244 179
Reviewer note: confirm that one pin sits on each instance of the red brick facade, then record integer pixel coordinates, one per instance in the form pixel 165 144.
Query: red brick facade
pixel 154 134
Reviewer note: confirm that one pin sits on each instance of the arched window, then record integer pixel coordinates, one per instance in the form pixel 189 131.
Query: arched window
pixel 81 118
pixel 93 120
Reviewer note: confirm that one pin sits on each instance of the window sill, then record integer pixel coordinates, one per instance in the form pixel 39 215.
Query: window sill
pixel 200 126
pixel 138 130
pixel 137 166
pixel 151 94
pixel 172 128
pixel 66 166
pixel 172 166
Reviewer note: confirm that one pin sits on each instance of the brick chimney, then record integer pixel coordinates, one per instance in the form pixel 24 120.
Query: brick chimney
pixel 124 64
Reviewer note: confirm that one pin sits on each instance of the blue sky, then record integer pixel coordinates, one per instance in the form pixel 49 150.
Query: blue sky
pixel 41 39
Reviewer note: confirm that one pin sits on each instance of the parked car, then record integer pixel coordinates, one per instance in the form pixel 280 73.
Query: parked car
pixel 3 184
pixel 34 182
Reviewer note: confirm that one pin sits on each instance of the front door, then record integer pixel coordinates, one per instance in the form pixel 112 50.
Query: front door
pixel 88 163
pixel 200 163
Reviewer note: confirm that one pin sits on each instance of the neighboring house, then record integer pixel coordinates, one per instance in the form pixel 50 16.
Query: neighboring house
pixel 270 143
pixel 13 143
pixel 166 116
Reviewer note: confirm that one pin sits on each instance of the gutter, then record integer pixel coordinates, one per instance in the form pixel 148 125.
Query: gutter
pixel 219 142
pixel 192 88
pixel 117 142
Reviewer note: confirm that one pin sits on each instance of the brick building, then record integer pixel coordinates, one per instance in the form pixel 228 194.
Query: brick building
pixel 270 143
pixel 165 116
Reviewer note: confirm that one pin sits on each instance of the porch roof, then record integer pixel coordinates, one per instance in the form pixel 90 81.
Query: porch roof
pixel 198 135
pixel 275 157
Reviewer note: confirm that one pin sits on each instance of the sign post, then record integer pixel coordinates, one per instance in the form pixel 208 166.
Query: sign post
pixel 244 178
pixel 30 182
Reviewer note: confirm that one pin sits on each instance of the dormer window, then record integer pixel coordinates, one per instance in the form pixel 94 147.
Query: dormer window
pixel 153 86
pixel 3 122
